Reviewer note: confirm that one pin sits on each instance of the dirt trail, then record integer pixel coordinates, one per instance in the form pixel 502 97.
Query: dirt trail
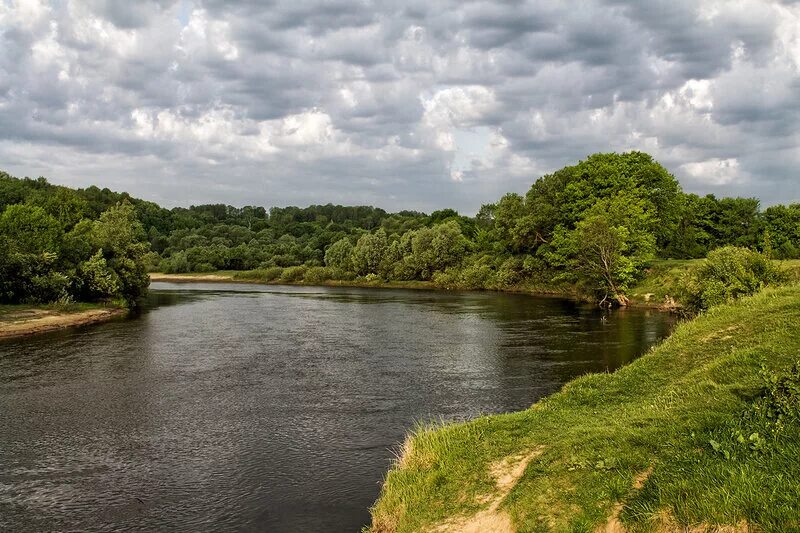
pixel 506 473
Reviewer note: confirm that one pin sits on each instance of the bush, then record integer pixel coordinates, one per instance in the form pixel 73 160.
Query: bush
pixel 509 273
pixel 449 278
pixel 259 274
pixel 293 274
pixel 780 401
pixel 271 274
pixel 317 274
pixel 476 276
pixel 204 267
pixel 49 287
pixel 726 274
pixel 175 264
pixel 96 280
pixel 343 275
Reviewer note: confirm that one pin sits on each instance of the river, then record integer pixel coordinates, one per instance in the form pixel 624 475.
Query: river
pixel 271 408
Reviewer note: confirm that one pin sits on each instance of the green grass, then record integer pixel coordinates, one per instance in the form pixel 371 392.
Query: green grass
pixel 792 266
pixel 662 278
pixel 601 430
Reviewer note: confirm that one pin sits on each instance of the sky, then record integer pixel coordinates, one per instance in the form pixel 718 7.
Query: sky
pixel 415 104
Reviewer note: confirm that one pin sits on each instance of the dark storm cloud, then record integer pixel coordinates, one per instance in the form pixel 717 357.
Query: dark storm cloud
pixel 415 104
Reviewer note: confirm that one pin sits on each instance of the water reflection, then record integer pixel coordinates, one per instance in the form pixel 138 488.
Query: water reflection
pixel 270 408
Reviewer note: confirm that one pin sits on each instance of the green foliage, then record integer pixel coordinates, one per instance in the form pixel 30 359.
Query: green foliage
pixel 368 253
pixel 317 275
pixel 609 247
pixel 46 259
pixel 293 274
pixel 97 279
pixel 728 273
pixel 779 402
pixel 30 230
pixel 119 236
pixel 594 224
pixel 339 255
pixel 435 248
pixel 177 263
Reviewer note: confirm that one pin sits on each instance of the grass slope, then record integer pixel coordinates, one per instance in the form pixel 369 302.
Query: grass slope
pixel 635 444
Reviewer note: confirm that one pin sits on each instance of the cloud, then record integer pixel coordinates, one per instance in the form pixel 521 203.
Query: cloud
pixel 416 104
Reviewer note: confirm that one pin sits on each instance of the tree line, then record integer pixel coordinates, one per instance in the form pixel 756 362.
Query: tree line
pixel 595 224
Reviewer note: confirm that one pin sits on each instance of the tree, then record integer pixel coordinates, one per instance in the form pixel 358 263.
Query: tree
pixel 782 224
pixel 368 252
pixel 339 255
pixel 609 247
pixel 30 230
pixel 64 204
pixel 120 238
pixel 434 249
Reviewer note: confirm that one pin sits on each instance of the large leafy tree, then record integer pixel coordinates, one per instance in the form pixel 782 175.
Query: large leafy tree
pixel 608 248
pixel 120 239
pixel 369 252
pixel 339 255
pixel 31 241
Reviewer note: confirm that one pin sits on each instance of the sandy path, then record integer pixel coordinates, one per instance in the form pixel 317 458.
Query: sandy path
pixel 33 321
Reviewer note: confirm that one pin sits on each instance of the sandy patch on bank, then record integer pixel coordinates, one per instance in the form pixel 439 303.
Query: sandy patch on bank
pixel 189 277
pixel 33 321
pixel 506 473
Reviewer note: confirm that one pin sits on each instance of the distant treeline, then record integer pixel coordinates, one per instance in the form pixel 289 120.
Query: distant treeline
pixel 596 224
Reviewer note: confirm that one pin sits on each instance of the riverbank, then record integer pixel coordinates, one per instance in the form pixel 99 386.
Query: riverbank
pixel 25 320
pixel 679 438
pixel 659 288
pixel 656 291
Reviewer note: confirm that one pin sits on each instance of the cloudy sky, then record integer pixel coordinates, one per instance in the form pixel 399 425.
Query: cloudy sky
pixel 417 104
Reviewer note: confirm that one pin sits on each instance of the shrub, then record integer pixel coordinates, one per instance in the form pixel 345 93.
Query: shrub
pixel 726 274
pixel 177 263
pixel 449 278
pixel 49 287
pixel 476 276
pixel 317 274
pixel 96 279
pixel 780 401
pixel 293 274
pixel 509 273
pixel 204 267
pixel 271 273
pixel 343 275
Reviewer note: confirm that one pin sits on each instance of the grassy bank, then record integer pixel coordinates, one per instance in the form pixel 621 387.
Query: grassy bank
pixel 660 286
pixel 679 438
pixel 662 279
pixel 24 320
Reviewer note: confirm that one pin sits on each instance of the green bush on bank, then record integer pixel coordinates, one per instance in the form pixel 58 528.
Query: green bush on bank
pixel 727 274
pixel 317 275
pixel 293 274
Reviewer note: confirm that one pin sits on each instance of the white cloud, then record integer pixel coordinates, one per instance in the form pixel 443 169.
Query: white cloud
pixel 715 171
pixel 413 105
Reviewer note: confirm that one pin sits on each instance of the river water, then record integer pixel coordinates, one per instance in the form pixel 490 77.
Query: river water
pixel 268 408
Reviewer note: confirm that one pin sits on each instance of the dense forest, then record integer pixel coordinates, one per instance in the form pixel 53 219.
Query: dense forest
pixel 595 225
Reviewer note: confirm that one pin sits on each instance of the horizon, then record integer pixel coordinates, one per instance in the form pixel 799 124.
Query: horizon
pixel 415 106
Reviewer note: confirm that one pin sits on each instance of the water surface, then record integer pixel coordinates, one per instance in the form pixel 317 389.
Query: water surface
pixel 244 407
